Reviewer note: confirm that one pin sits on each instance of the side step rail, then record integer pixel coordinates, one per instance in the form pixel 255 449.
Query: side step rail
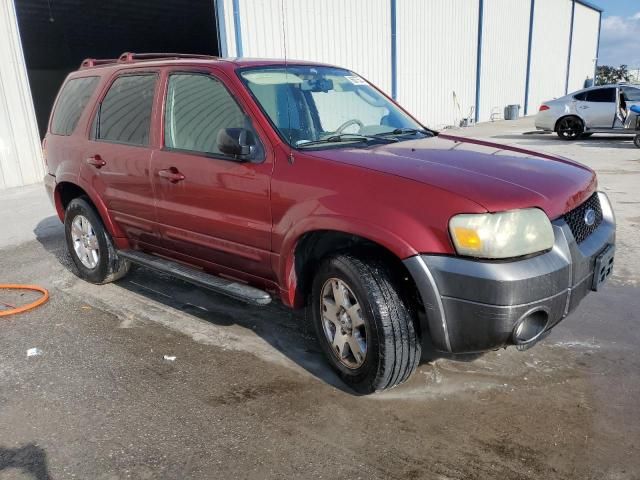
pixel 239 291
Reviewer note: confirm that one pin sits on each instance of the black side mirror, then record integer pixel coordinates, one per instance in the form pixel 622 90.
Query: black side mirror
pixel 238 142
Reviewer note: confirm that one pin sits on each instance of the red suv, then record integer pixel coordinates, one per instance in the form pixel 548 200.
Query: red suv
pixel 256 178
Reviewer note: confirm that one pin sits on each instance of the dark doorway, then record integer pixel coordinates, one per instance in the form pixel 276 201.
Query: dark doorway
pixel 58 34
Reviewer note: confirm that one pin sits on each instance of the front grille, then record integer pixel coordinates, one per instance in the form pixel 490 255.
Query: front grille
pixel 576 218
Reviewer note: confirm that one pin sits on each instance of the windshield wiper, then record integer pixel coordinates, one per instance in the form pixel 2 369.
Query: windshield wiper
pixel 345 137
pixel 403 131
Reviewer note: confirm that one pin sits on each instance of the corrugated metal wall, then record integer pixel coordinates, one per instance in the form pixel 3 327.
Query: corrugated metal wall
pixel 353 34
pixel 20 154
pixel 584 47
pixel 505 40
pixel 549 52
pixel 437 48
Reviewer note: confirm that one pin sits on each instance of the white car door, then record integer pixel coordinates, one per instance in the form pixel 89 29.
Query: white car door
pixel 598 109
pixel 631 96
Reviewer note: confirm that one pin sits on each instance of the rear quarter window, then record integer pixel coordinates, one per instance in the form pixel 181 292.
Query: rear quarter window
pixel 71 103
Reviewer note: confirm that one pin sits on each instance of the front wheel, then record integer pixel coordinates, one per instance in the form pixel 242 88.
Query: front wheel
pixel 90 245
pixel 570 128
pixel 363 326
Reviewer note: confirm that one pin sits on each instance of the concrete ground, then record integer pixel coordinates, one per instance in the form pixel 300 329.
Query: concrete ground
pixel 250 396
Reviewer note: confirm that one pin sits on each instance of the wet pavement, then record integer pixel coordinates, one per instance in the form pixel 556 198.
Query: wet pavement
pixel 250 396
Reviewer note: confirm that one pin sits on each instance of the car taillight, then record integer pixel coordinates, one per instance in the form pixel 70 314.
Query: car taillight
pixel 543 108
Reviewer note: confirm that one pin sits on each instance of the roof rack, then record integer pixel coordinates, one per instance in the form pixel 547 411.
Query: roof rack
pixel 129 57
pixel 94 62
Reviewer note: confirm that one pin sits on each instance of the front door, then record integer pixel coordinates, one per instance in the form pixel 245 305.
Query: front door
pixel 117 157
pixel 211 207
pixel 599 107
pixel 628 96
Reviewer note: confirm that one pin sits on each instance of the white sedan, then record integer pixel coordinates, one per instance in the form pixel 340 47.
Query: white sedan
pixel 588 111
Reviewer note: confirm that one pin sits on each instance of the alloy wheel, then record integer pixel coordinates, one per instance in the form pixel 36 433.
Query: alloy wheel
pixel 570 128
pixel 343 323
pixel 85 242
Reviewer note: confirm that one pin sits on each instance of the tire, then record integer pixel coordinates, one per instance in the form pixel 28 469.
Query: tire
pixel 90 245
pixel 570 128
pixel 392 347
pixel 636 140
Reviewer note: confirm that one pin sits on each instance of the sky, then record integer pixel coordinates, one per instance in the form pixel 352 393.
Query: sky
pixel 620 34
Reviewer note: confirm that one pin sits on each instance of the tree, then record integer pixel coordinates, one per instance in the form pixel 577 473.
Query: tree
pixel 607 75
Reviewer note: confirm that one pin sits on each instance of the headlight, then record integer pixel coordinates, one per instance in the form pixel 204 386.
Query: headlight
pixel 502 235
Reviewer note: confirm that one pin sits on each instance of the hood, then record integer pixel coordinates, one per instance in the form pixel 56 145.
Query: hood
pixel 497 177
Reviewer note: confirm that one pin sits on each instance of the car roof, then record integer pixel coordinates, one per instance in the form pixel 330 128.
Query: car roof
pixel 596 87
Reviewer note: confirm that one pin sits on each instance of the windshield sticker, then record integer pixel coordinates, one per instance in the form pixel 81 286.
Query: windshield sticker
pixel 356 80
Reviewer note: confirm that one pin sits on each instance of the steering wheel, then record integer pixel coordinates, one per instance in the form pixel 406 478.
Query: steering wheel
pixel 348 123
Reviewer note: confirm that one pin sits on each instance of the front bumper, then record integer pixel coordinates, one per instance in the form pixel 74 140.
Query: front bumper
pixel 474 306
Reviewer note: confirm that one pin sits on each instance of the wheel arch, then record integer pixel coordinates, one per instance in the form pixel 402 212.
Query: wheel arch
pixel 65 191
pixel 315 245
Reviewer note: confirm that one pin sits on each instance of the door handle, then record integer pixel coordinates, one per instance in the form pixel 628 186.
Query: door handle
pixel 96 161
pixel 583 107
pixel 172 174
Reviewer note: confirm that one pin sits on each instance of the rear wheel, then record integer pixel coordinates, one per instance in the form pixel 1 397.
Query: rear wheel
pixel 636 140
pixel 90 245
pixel 570 128
pixel 363 326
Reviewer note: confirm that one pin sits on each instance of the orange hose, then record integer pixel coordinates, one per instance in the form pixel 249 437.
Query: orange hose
pixel 24 308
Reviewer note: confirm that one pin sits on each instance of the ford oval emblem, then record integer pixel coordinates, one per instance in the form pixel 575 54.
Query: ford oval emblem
pixel 590 217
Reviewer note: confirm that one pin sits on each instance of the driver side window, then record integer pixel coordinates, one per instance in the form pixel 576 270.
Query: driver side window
pixel 197 107
pixel 631 94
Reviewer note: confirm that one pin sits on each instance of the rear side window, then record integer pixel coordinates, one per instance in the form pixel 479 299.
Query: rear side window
pixel 581 96
pixel 602 95
pixel 124 116
pixel 73 99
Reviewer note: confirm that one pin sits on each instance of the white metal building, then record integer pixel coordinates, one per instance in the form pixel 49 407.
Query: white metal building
pixel 443 60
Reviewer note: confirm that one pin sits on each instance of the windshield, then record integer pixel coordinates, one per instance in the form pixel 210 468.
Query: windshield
pixel 320 107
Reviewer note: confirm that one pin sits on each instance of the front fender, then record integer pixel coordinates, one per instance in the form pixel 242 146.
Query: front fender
pixel 384 237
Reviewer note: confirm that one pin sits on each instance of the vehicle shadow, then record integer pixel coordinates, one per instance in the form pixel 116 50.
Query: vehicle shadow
pixel 597 141
pixel 286 330
pixel 30 459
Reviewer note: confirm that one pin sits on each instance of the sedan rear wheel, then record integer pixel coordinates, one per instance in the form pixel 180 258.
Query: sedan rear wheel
pixel 570 128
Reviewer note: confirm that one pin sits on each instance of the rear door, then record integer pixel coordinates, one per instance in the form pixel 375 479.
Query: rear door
pixel 598 109
pixel 118 154
pixel 211 207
